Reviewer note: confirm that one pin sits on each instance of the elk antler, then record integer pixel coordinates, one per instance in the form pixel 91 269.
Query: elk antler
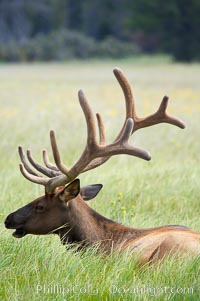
pixel 95 153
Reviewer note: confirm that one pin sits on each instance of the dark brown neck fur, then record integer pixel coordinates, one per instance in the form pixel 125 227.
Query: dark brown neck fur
pixel 88 227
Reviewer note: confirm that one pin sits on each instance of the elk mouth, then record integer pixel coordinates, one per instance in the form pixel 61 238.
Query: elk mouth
pixel 19 233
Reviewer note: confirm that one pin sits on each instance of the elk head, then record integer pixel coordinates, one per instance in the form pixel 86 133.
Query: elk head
pixel 51 211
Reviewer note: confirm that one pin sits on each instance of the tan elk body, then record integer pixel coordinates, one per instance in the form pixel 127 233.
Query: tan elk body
pixel 63 209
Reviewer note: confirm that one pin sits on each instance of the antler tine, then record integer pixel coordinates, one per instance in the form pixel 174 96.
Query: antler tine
pixel 46 171
pixel 102 135
pixel 56 154
pixel 169 119
pixel 160 116
pixel 25 162
pixel 128 94
pixel 127 131
pixel 47 161
pixel 89 117
pixel 31 177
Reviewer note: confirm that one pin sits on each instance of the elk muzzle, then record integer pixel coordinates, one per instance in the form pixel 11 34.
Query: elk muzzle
pixel 17 221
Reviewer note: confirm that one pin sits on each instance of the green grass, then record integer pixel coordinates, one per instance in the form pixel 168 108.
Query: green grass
pixel 36 98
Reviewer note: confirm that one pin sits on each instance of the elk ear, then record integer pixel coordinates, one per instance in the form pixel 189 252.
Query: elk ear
pixel 89 192
pixel 70 191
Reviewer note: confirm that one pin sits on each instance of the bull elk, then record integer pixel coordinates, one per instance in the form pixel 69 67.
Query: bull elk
pixel 62 209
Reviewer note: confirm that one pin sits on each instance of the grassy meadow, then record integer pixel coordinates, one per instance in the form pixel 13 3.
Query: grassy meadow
pixel 39 97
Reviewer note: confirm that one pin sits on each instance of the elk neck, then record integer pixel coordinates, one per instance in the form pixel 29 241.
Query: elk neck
pixel 87 227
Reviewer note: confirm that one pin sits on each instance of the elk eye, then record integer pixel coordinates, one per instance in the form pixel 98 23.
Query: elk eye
pixel 40 208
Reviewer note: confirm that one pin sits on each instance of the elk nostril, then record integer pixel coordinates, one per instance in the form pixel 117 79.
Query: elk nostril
pixel 6 222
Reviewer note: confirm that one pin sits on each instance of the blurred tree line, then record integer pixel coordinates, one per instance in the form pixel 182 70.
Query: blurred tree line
pixel 62 29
